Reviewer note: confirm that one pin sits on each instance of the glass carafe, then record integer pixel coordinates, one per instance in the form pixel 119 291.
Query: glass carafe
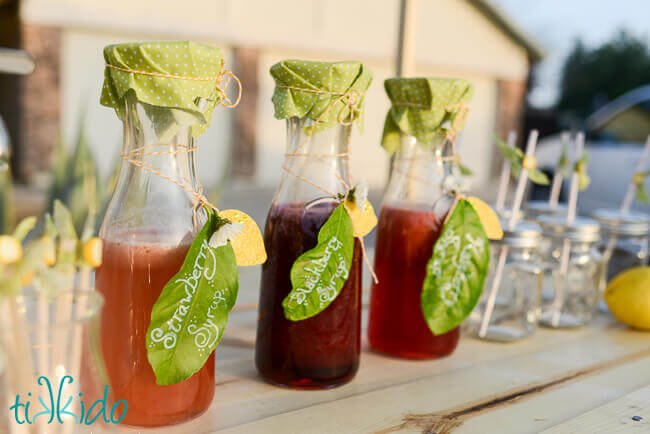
pixel 147 230
pixel 321 351
pixel 411 219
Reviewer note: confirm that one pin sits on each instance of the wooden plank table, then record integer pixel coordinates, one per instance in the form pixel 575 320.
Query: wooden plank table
pixel 593 379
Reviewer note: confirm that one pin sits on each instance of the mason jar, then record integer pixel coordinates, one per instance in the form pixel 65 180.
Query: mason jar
pixel 510 310
pixel 538 208
pixel 572 271
pixel 624 243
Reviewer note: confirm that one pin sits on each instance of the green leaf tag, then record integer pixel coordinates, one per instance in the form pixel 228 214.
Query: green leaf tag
pixel 456 271
pixel 512 154
pixel 189 317
pixel 318 275
pixel 641 191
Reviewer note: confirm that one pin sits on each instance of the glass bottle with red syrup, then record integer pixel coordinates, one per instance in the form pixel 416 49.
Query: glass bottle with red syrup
pixel 321 351
pixel 147 231
pixel 414 208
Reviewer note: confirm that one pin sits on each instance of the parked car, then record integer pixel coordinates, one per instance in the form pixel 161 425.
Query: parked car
pixel 615 138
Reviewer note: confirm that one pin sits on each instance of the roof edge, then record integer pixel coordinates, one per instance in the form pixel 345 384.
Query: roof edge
pixel 494 14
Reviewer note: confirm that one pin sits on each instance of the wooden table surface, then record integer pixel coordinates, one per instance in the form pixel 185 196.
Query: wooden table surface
pixel 593 379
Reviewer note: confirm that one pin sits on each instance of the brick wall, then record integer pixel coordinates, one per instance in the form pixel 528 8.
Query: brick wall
pixel 511 102
pixel 39 100
pixel 244 152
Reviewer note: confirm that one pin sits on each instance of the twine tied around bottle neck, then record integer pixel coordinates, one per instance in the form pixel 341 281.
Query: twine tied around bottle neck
pixel 352 100
pixel 195 189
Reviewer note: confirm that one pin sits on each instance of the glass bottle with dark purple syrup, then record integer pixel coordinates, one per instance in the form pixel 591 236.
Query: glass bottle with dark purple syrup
pixel 321 351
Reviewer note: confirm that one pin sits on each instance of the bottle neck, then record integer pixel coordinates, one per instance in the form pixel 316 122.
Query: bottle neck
pixel 154 191
pixel 316 163
pixel 418 174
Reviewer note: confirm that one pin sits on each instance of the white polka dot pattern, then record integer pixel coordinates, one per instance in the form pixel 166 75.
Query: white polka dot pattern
pixel 332 79
pixel 423 107
pixel 169 74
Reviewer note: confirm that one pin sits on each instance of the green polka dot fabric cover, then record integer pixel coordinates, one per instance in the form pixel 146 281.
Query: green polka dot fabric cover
pixel 423 107
pixel 197 98
pixel 337 78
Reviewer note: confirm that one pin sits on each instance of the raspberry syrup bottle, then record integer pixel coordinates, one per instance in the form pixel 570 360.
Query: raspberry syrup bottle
pixel 410 222
pixel 147 231
pixel 321 351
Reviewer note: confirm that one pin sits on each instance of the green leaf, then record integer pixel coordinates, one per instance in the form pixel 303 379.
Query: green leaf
pixel 563 162
pixel 63 221
pixel 464 170
pixel 456 271
pixel 642 195
pixel 189 317
pixel 24 227
pixel 512 154
pixel 583 181
pixel 538 177
pixel 319 274
pixel 68 241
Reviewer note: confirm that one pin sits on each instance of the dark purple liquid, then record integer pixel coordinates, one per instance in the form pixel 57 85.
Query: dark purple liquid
pixel 319 352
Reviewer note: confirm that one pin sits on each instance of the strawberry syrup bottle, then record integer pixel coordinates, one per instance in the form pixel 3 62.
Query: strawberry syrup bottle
pixel 410 222
pixel 321 351
pixel 147 231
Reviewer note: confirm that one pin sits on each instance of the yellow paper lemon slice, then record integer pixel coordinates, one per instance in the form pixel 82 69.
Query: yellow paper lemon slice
pixel 489 218
pixel 249 245
pixel 10 250
pixel 363 220
pixel 92 252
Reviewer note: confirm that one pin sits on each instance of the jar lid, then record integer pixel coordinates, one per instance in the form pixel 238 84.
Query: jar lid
pixel 542 207
pixel 525 234
pixel 427 108
pixel 583 229
pixel 506 213
pixel 613 221
pixel 326 92
pixel 180 74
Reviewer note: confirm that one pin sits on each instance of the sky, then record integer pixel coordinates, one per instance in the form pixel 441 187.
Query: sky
pixel 556 24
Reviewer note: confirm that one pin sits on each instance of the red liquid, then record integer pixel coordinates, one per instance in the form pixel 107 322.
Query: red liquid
pixel 131 279
pixel 319 352
pixel 405 240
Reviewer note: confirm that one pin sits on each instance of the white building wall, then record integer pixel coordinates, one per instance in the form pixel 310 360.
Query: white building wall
pixel 82 76
pixel 453 39
pixel 369 161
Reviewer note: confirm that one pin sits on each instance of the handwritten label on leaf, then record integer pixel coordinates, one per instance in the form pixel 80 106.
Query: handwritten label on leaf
pixel 319 274
pixel 189 317
pixel 456 271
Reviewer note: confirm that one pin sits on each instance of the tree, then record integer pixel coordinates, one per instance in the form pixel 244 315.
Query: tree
pixel 593 77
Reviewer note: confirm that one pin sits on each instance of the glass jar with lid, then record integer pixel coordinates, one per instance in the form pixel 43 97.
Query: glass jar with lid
pixel 510 311
pixel 624 242
pixel 572 268
pixel 538 208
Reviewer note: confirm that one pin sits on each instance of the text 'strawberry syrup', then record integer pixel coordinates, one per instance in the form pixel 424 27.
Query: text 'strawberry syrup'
pixel 320 102
pixel 415 205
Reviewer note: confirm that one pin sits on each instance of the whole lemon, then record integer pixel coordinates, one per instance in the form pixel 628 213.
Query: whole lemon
pixel 628 297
